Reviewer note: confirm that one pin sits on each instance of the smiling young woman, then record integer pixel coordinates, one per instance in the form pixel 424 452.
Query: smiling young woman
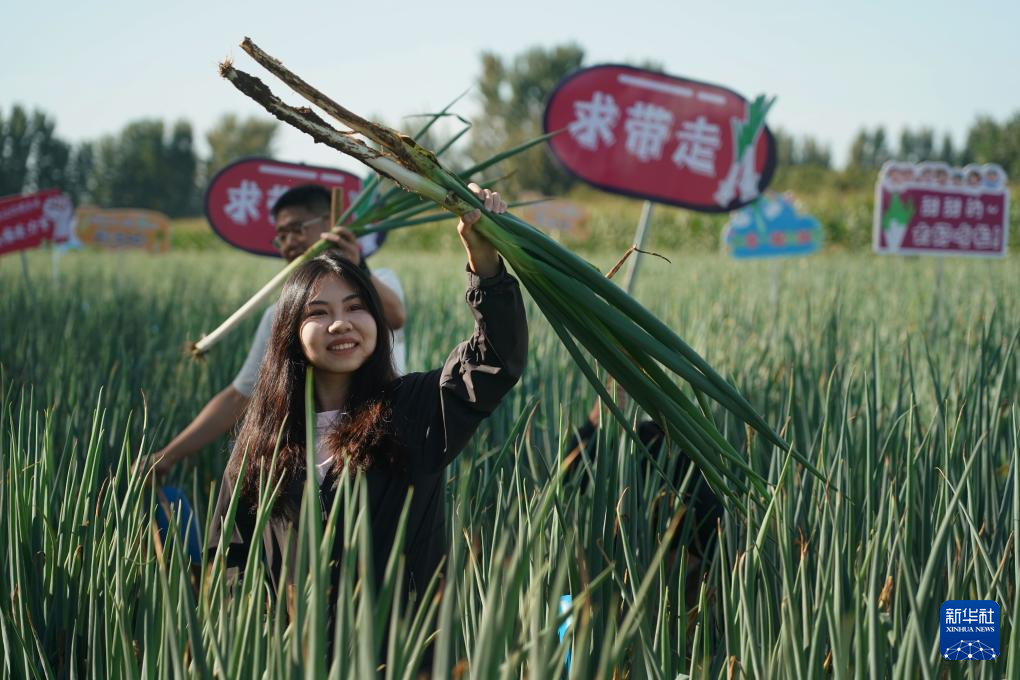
pixel 398 432
pixel 338 334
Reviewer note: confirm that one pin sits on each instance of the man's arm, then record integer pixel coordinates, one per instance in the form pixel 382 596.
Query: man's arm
pixel 223 410
pixel 392 304
pixel 216 418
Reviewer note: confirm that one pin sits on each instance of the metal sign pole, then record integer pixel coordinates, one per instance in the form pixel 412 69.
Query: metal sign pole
pixel 28 281
pixel 938 291
pixel 774 276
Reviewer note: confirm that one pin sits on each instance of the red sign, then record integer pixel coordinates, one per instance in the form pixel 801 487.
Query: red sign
pixel 241 197
pixel 661 138
pixel 935 209
pixel 27 221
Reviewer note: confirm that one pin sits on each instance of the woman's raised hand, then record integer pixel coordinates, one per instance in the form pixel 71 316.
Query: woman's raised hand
pixel 482 256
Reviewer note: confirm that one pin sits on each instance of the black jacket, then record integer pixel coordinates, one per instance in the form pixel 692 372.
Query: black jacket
pixel 434 414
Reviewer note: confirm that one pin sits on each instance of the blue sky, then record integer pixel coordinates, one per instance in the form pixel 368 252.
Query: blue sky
pixel 834 66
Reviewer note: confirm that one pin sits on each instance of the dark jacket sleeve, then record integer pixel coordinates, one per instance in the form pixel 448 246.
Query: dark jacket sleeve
pixel 443 408
pixel 579 438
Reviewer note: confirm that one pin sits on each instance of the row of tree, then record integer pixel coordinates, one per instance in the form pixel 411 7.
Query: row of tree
pixel 155 165
pixel 148 164
pixel 513 94
pixel 988 141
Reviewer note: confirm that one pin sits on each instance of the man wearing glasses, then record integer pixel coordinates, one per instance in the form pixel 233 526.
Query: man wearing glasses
pixel 302 218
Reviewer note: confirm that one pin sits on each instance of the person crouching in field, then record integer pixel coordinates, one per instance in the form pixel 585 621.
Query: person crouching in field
pixel 703 510
pixel 399 433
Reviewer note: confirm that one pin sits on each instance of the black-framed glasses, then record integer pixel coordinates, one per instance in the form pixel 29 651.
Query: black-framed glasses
pixel 293 229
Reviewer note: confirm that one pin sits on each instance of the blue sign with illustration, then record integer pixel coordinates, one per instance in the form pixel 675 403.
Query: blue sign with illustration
pixel 771 227
pixel 969 630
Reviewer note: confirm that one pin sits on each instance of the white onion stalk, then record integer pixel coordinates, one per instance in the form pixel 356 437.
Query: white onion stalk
pixel 307 121
pixel 642 354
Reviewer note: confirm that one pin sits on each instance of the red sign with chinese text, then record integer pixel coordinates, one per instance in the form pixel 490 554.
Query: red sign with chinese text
pixel 661 138
pixel 935 209
pixel 240 199
pixel 27 221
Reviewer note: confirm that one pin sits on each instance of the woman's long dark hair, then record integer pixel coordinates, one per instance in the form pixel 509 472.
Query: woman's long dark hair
pixel 277 406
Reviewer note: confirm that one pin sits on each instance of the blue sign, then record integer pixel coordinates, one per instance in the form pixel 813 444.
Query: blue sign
pixel 969 630
pixel 771 227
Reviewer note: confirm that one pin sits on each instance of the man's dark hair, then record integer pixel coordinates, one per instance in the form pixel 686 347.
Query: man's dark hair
pixel 312 197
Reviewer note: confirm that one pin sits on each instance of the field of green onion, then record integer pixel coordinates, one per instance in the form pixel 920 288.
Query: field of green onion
pixel 897 380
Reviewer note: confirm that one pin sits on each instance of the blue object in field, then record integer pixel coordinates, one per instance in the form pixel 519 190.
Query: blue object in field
pixel 172 499
pixel 566 602
pixel 771 227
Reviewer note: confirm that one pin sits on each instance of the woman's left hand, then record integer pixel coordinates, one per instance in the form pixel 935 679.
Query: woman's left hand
pixel 482 256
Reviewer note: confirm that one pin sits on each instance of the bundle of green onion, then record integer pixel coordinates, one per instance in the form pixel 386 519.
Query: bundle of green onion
pixel 584 307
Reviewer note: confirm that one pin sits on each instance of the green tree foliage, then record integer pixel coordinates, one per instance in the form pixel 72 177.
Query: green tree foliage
pixel 991 142
pixel 151 164
pixel 653 65
pixel 32 157
pixel 917 146
pixel 232 138
pixel 183 192
pixel 802 163
pixel 144 167
pixel 513 95
pixel 805 151
pixel 15 149
pixel 79 178
pixel 785 143
pixel 869 150
pixel 984 141
pixel 987 141
pixel 50 155
pixel 948 151
pixel 814 153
